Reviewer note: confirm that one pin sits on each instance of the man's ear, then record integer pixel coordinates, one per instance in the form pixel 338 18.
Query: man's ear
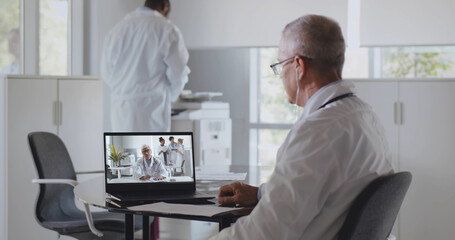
pixel 166 9
pixel 300 66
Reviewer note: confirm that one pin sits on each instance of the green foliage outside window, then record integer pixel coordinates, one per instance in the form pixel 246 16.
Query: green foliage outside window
pixel 274 105
pixel 53 34
pixel 402 63
pixel 9 19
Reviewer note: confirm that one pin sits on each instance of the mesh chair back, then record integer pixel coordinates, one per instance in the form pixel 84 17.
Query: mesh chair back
pixel 374 211
pixel 52 161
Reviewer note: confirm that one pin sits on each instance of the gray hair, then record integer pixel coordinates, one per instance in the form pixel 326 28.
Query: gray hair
pixel 144 147
pixel 317 37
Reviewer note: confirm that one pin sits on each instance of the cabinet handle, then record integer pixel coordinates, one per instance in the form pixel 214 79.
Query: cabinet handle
pixel 60 113
pixel 56 113
pixel 395 108
pixel 398 113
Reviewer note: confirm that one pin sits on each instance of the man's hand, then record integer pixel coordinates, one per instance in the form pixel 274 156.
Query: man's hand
pixel 238 193
pixel 159 178
pixel 146 177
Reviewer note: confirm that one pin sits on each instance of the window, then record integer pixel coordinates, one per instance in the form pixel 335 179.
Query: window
pixel 417 62
pixel 271 114
pixel 53 37
pixel 47 51
pixel 10 50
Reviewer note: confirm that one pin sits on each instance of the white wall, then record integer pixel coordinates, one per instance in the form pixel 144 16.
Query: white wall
pixel 239 23
pixel 407 22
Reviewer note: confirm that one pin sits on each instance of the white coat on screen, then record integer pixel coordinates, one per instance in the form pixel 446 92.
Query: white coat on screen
pixel 144 63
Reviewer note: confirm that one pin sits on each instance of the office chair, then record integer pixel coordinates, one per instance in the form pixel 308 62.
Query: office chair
pixel 180 172
pixel 55 208
pixel 374 211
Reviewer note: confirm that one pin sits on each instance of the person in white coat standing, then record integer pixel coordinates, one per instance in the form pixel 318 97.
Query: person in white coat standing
pixel 144 63
pixel 332 152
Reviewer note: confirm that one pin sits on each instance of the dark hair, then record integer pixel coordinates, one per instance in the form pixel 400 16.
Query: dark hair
pixel 158 5
pixel 161 139
pixel 171 138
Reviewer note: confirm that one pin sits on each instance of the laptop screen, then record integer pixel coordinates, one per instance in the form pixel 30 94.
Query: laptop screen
pixel 149 161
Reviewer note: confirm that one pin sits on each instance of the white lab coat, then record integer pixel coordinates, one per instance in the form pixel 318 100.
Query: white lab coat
pixel 179 159
pixel 144 63
pixel 160 156
pixel 172 154
pixel 328 157
pixel 155 169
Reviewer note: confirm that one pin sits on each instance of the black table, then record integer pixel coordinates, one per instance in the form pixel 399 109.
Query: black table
pixel 92 192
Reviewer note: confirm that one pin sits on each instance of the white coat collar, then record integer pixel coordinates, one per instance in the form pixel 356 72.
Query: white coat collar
pixel 144 11
pixel 326 93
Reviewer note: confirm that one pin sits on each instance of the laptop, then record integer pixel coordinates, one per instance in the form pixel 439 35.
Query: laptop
pixel 168 175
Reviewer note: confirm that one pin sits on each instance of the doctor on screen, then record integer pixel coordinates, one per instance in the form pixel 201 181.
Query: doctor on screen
pixel 148 167
pixel 162 151
pixel 172 148
pixel 144 63
pixel 179 151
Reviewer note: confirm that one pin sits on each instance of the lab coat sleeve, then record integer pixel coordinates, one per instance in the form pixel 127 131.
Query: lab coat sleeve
pixel 303 178
pixel 176 59
pixel 138 170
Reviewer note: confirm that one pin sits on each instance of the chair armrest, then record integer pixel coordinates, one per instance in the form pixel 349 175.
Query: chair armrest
pixel 56 181
pixel 73 183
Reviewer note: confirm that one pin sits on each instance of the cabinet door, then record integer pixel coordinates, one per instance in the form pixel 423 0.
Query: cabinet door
pixel 427 139
pixel 82 122
pixel 30 108
pixel 382 97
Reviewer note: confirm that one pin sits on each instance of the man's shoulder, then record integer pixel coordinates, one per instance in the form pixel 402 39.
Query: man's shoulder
pixel 348 110
pixel 336 120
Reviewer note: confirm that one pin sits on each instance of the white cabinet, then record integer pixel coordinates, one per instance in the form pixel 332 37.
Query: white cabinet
pixel 382 96
pixel 418 117
pixel 427 140
pixel 70 107
pixel 81 125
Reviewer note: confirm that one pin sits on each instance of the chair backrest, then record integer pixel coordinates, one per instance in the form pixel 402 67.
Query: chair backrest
pixel 374 211
pixel 55 201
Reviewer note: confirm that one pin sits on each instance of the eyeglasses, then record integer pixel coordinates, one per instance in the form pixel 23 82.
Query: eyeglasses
pixel 146 150
pixel 278 67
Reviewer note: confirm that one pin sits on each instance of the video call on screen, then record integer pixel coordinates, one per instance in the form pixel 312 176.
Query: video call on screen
pixel 149 159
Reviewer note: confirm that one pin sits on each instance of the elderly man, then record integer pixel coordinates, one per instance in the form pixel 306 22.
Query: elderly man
pixel 149 167
pixel 331 153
